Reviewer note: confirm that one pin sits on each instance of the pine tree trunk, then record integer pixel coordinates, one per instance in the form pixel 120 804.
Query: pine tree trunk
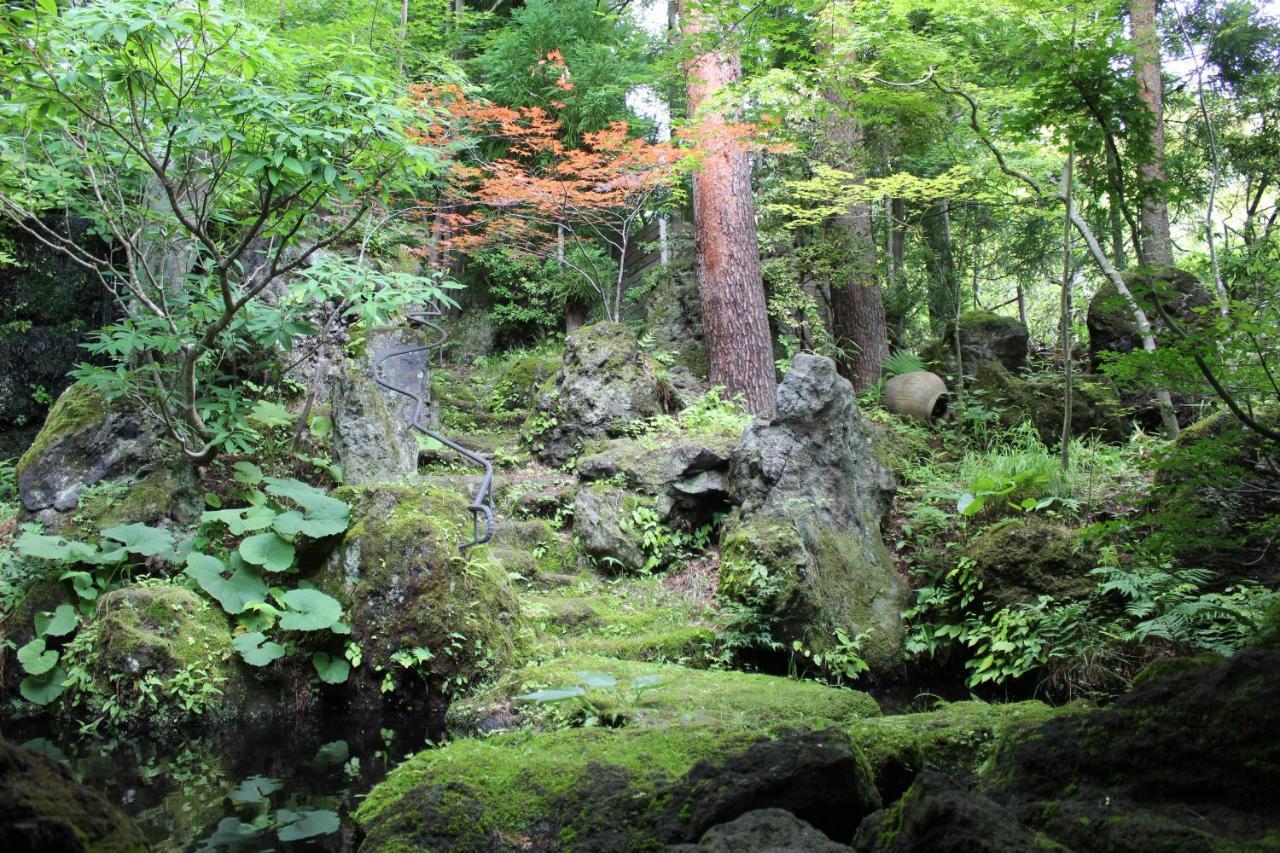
pixel 857 303
pixel 734 315
pixel 1157 248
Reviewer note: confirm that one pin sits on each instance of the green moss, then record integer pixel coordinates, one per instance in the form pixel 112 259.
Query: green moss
pixel 78 407
pixel 1165 667
pixel 526 785
pixel 759 703
pixel 406 585
pixel 957 738
pixel 1023 558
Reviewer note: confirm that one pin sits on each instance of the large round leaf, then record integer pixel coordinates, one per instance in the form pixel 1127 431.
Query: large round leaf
pixel 256 649
pixel 244 585
pixel 59 623
pixel 36 659
pixel 332 669
pixel 268 550
pixel 296 826
pixel 141 539
pixel 242 520
pixel 309 610
pixel 43 689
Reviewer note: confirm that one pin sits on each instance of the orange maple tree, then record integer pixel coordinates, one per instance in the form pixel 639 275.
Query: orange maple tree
pixel 539 194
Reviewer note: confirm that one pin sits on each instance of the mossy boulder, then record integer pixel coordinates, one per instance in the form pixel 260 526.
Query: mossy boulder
pixel 1215 500
pixel 1096 410
pixel 673 312
pixel 605 386
pixel 96 463
pixel 604 523
pixel 1020 559
pixel 984 337
pixel 405 585
pixel 162 630
pixel 668 695
pixel 806 582
pixel 1113 332
pixel 43 808
pixel 688 479
pixel 606 789
pixel 957 738
pixel 530 548
pixel 372 437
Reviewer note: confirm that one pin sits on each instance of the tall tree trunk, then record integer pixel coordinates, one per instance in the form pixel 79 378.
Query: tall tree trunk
pixel 857 303
pixel 941 264
pixel 1157 247
pixel 895 303
pixel 734 315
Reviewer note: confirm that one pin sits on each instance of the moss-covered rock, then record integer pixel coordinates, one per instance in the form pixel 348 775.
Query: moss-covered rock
pixel 805 583
pixel 154 632
pixel 530 548
pixel 43 808
pixel 605 789
pixel 1020 559
pixel 686 476
pixel 605 525
pixel 1215 501
pixel 96 463
pixel 957 738
pixel 678 696
pixel 984 337
pixel 1096 410
pixel 405 586
pixel 604 387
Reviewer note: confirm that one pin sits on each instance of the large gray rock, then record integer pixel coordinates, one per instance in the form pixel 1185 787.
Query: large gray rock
pixel 984 337
pixel 105 463
pixel 765 831
pixel 602 522
pixel 602 390
pixel 371 433
pixel 812 495
pixel 688 479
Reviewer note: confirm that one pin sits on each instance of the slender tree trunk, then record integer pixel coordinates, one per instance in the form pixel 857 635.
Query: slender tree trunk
pixel 734 315
pixel 1065 319
pixel 940 263
pixel 895 317
pixel 857 303
pixel 1157 248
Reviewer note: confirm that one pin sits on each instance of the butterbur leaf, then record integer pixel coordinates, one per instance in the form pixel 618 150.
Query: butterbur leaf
pixel 59 623
pixel 597 679
pixel 31 544
pixel 247 473
pixel 141 539
pixel 331 669
pixel 43 689
pixel 322 515
pixel 295 826
pixel 646 682
pixel 254 790
pixel 234 593
pixel 554 695
pixel 36 659
pixel 321 425
pixel 333 754
pixel 309 610
pixel 268 550
pixel 242 520
pixel 256 649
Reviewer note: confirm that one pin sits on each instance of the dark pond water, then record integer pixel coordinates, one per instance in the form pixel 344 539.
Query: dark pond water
pixel 269 788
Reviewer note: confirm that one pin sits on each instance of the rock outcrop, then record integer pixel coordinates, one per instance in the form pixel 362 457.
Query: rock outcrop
pixel 371 433
pixel 812 494
pixel 984 337
pixel 106 463
pixel 603 389
pixel 1023 558
pixel 43 808
pixel 1096 409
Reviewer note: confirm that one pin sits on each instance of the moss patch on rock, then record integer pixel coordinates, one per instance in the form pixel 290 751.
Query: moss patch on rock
pixel 1096 409
pixel 406 586
pixel 676 695
pixel 1023 558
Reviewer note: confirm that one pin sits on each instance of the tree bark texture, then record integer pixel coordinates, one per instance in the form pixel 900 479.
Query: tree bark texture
pixel 734 314
pixel 1157 248
pixel 857 303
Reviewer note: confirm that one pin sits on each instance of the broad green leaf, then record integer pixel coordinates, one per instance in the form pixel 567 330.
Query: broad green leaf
pixel 243 520
pixel 141 539
pixel 270 414
pixel 321 425
pixel 268 550
pixel 646 682
pixel 59 623
pixel 254 790
pixel 256 649
pixel 42 547
pixel 43 689
pixel 234 593
pixel 36 659
pixel 331 669
pixel 555 695
pixel 247 473
pixel 598 679
pixel 332 754
pixel 296 826
pixel 309 610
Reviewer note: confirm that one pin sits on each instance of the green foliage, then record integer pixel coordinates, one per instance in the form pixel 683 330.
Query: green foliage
pixel 594 693
pixel 901 362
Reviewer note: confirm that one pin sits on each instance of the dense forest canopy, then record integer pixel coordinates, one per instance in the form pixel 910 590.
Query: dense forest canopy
pixel 648 391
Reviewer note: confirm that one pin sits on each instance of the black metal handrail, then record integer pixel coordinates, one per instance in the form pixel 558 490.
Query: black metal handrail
pixel 482 503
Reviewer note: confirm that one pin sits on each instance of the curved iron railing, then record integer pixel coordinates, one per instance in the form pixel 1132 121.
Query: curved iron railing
pixel 482 503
